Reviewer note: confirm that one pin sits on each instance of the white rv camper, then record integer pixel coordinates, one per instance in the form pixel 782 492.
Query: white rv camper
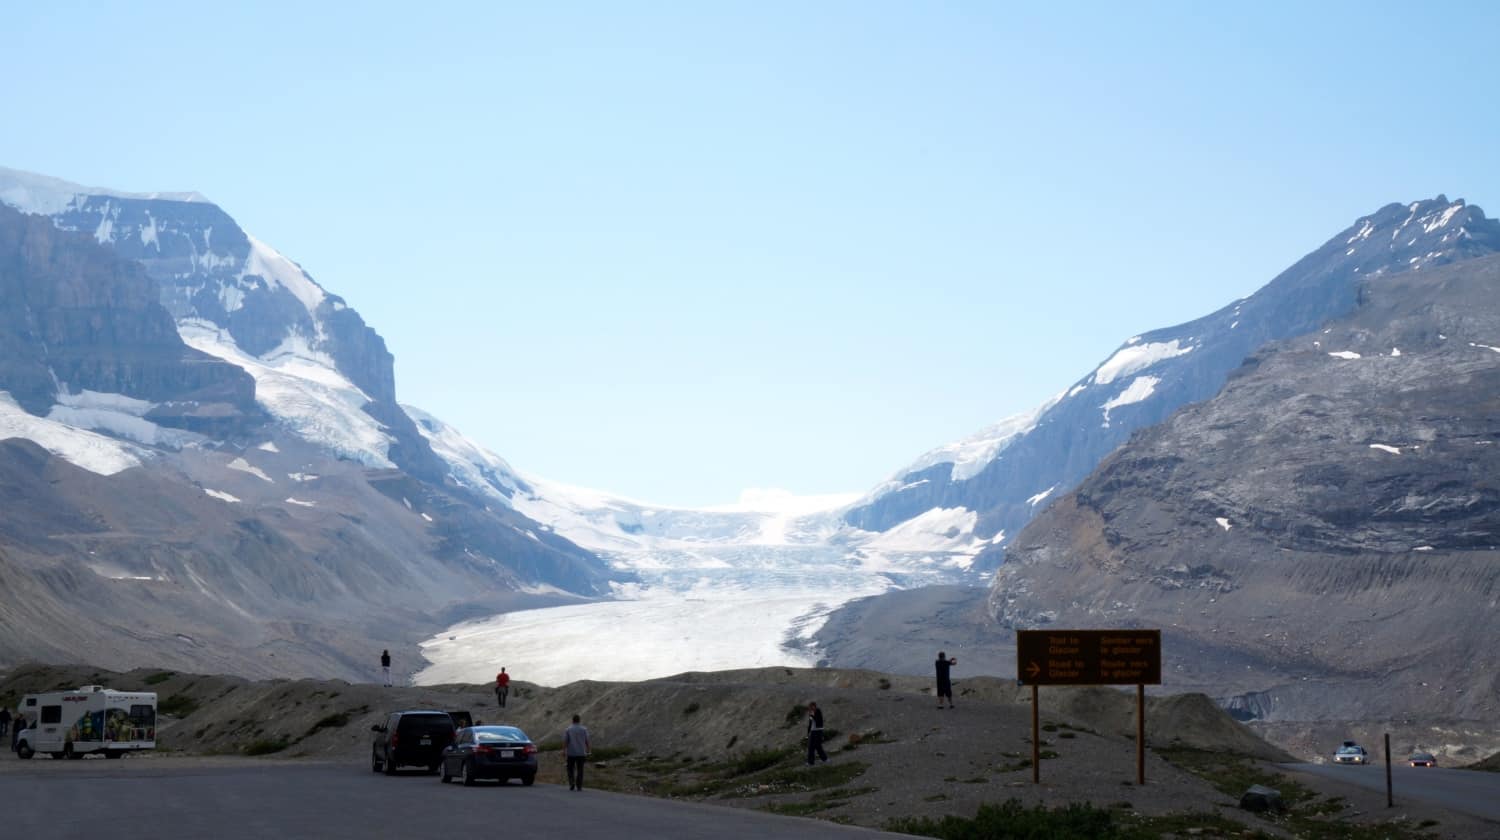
pixel 93 719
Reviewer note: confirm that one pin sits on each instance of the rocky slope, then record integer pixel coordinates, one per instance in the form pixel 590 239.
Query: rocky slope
pixel 1319 539
pixel 75 318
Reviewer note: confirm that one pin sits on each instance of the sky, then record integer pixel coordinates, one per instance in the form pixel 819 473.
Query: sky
pixel 677 250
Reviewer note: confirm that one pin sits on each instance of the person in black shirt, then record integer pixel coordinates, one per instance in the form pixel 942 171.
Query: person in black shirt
pixel 944 682
pixel 385 667
pixel 815 734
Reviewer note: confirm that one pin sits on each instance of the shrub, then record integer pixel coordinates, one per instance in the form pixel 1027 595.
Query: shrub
pixel 796 715
pixel 758 760
pixel 337 719
pixel 1013 821
pixel 266 746
pixel 177 705
pixel 159 677
pixel 610 753
pixel 691 707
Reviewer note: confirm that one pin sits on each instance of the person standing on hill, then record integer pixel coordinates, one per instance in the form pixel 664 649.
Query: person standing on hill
pixel 576 746
pixel 502 687
pixel 944 681
pixel 815 734
pixel 385 667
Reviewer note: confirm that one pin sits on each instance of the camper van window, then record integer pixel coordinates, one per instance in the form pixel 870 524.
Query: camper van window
pixel 30 701
pixel 143 716
pixel 52 714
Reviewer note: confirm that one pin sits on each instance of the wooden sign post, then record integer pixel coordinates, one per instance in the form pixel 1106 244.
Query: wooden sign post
pixel 1088 657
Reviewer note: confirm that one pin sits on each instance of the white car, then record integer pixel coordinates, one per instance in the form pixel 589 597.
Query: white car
pixel 1351 753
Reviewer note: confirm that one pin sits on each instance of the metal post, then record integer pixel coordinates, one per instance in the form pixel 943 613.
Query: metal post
pixel 1390 800
pixel 1036 738
pixel 1140 734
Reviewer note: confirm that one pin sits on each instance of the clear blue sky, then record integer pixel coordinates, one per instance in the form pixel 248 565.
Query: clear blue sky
pixel 674 250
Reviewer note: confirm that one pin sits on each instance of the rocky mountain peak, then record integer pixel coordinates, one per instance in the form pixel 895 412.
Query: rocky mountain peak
pixel 1425 233
pixel 238 296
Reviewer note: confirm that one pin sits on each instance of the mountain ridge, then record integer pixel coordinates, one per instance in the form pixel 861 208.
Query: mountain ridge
pixel 1047 451
pixel 1328 518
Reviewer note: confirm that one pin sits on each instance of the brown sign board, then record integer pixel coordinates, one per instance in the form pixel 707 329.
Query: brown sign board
pixel 1088 657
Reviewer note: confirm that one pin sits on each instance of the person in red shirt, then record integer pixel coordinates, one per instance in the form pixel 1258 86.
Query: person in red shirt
pixel 502 687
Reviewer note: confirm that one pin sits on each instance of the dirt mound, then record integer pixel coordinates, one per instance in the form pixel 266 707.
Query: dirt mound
pixel 1489 765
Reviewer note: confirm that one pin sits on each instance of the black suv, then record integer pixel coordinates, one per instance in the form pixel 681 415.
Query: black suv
pixel 411 738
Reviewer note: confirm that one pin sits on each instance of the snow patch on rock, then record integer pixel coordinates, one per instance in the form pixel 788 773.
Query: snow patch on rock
pixel 79 447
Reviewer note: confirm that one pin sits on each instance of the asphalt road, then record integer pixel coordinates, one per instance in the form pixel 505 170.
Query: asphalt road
pixel 1467 791
pixel 234 799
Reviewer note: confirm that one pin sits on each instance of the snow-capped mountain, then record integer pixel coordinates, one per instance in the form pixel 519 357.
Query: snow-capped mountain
pixel 1319 538
pixel 227 467
pixel 318 368
pixel 1007 474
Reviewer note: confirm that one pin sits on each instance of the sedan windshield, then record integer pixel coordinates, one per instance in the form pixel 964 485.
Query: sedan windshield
pixel 484 734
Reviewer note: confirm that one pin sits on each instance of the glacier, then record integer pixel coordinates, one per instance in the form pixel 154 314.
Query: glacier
pixel 731 586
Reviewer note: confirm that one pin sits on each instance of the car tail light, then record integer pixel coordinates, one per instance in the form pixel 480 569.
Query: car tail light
pixel 529 749
pixel 395 739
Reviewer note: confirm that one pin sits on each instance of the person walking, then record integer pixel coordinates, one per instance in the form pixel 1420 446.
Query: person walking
pixel 576 745
pixel 502 687
pixel 4 722
pixel 944 681
pixel 815 734
pixel 385 667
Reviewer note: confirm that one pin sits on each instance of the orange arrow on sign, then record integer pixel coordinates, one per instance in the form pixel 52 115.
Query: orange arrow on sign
pixel 1033 669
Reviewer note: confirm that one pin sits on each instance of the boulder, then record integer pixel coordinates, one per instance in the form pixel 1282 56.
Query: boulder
pixel 1260 799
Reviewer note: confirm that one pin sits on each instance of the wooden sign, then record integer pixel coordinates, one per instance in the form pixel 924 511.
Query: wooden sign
pixel 1088 657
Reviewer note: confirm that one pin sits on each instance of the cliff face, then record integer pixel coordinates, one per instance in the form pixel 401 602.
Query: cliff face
pixel 73 317
pixel 211 271
pixel 1332 516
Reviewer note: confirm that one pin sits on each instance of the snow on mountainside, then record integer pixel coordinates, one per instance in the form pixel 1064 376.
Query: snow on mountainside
pixel 70 441
pixel 45 196
pixel 303 390
pixel 638 535
pixel 1006 474
pixel 319 369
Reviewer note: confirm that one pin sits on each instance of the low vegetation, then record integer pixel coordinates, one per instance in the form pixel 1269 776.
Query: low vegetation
pixel 1308 814
pixel 337 720
pixel 1012 820
pixel 266 746
pixel 176 705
